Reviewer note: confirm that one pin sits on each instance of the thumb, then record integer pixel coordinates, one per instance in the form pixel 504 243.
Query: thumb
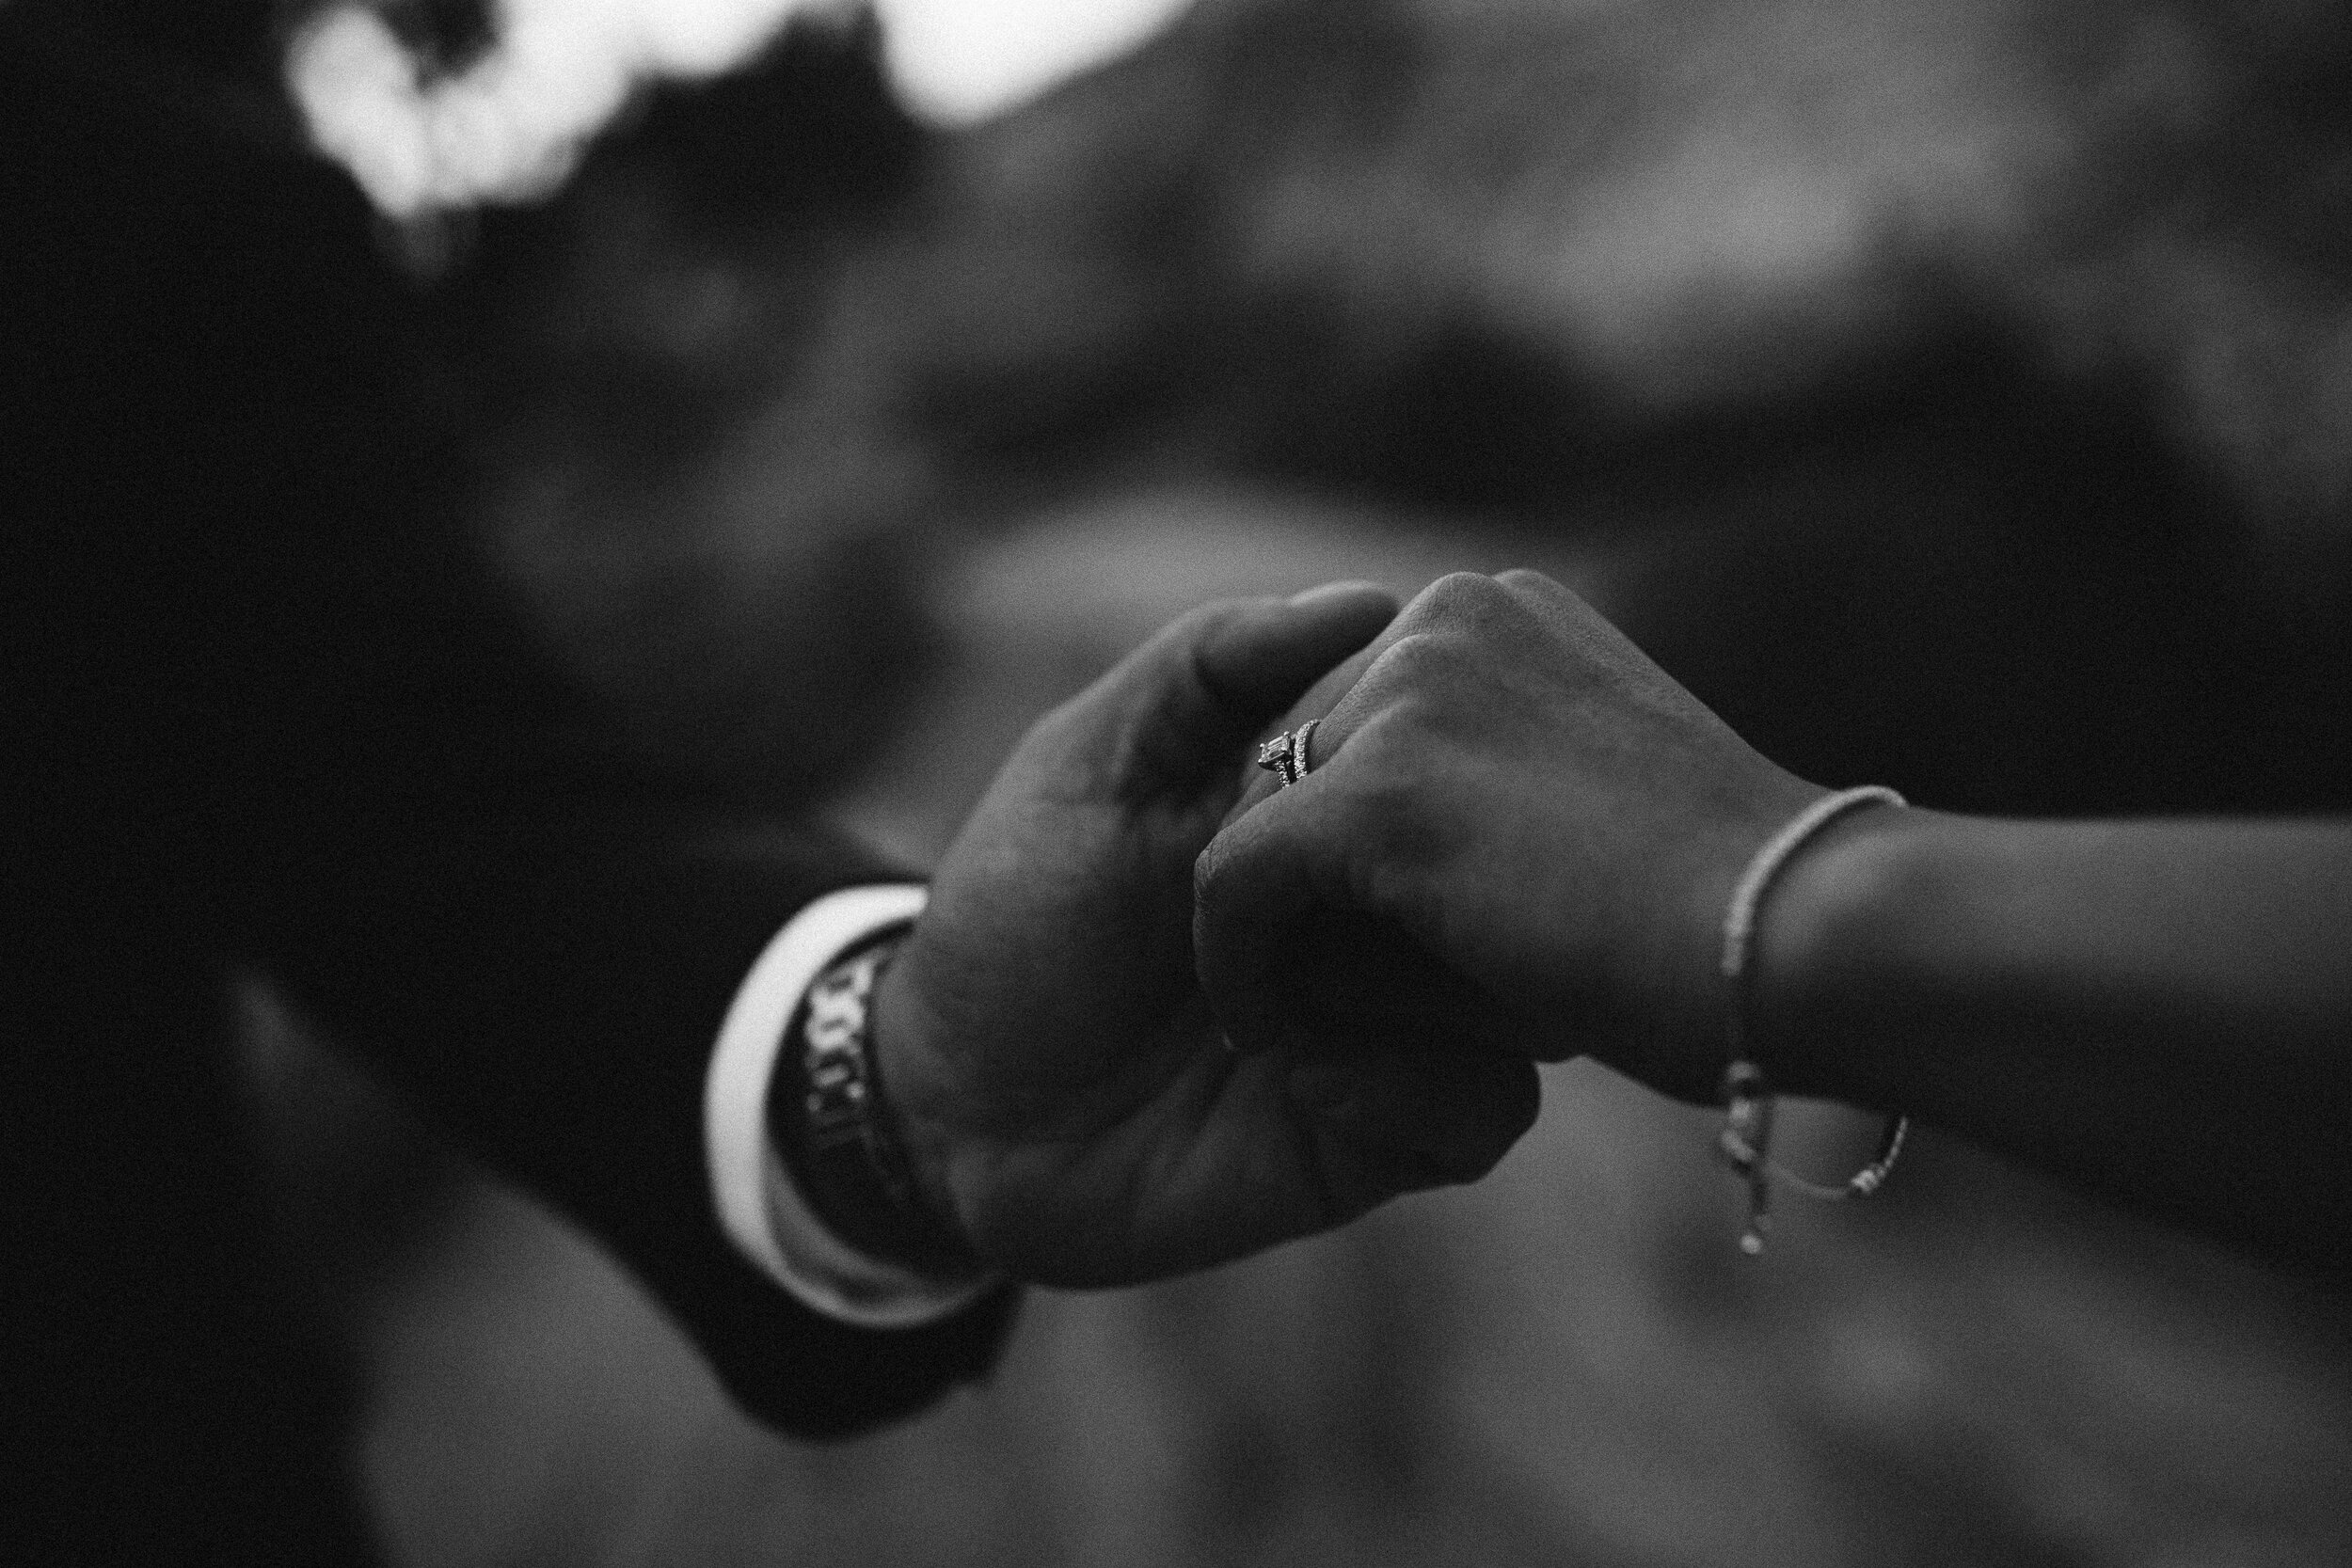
pixel 1170 714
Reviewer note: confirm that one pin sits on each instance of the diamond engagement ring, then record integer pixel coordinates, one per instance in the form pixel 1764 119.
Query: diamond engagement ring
pixel 1286 754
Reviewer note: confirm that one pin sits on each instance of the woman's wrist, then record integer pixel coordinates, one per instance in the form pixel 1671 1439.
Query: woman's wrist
pixel 1844 981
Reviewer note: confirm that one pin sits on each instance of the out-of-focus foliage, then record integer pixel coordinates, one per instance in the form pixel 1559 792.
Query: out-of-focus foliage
pixel 1913 320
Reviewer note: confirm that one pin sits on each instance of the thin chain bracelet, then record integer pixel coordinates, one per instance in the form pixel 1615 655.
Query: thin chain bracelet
pixel 1745 1142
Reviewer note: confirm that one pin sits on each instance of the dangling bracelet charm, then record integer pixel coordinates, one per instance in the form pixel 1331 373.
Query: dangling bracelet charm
pixel 1746 1140
pixel 1746 1137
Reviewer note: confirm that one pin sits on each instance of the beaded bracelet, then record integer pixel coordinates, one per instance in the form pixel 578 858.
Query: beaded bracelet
pixel 1745 1142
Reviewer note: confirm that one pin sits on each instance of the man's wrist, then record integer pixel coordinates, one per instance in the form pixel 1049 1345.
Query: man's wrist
pixel 759 1205
pixel 835 1119
pixel 905 1034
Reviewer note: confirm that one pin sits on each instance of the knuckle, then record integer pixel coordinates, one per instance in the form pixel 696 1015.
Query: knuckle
pixel 1420 663
pixel 1402 657
pixel 1455 595
pixel 1471 610
pixel 1413 654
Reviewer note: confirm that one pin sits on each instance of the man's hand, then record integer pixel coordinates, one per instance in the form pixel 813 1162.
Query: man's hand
pixel 1515 825
pixel 1068 1097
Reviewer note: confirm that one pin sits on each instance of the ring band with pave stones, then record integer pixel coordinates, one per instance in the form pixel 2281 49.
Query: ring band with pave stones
pixel 1286 754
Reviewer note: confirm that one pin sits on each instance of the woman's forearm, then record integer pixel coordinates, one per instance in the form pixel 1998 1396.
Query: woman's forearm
pixel 2160 1012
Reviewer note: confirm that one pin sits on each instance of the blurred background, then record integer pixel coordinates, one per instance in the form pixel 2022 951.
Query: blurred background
pixel 1956 395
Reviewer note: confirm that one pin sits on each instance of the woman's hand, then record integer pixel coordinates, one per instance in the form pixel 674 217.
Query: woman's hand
pixel 1516 828
pixel 1519 830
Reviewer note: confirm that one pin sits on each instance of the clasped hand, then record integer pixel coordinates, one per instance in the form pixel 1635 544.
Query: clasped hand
pixel 1511 846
